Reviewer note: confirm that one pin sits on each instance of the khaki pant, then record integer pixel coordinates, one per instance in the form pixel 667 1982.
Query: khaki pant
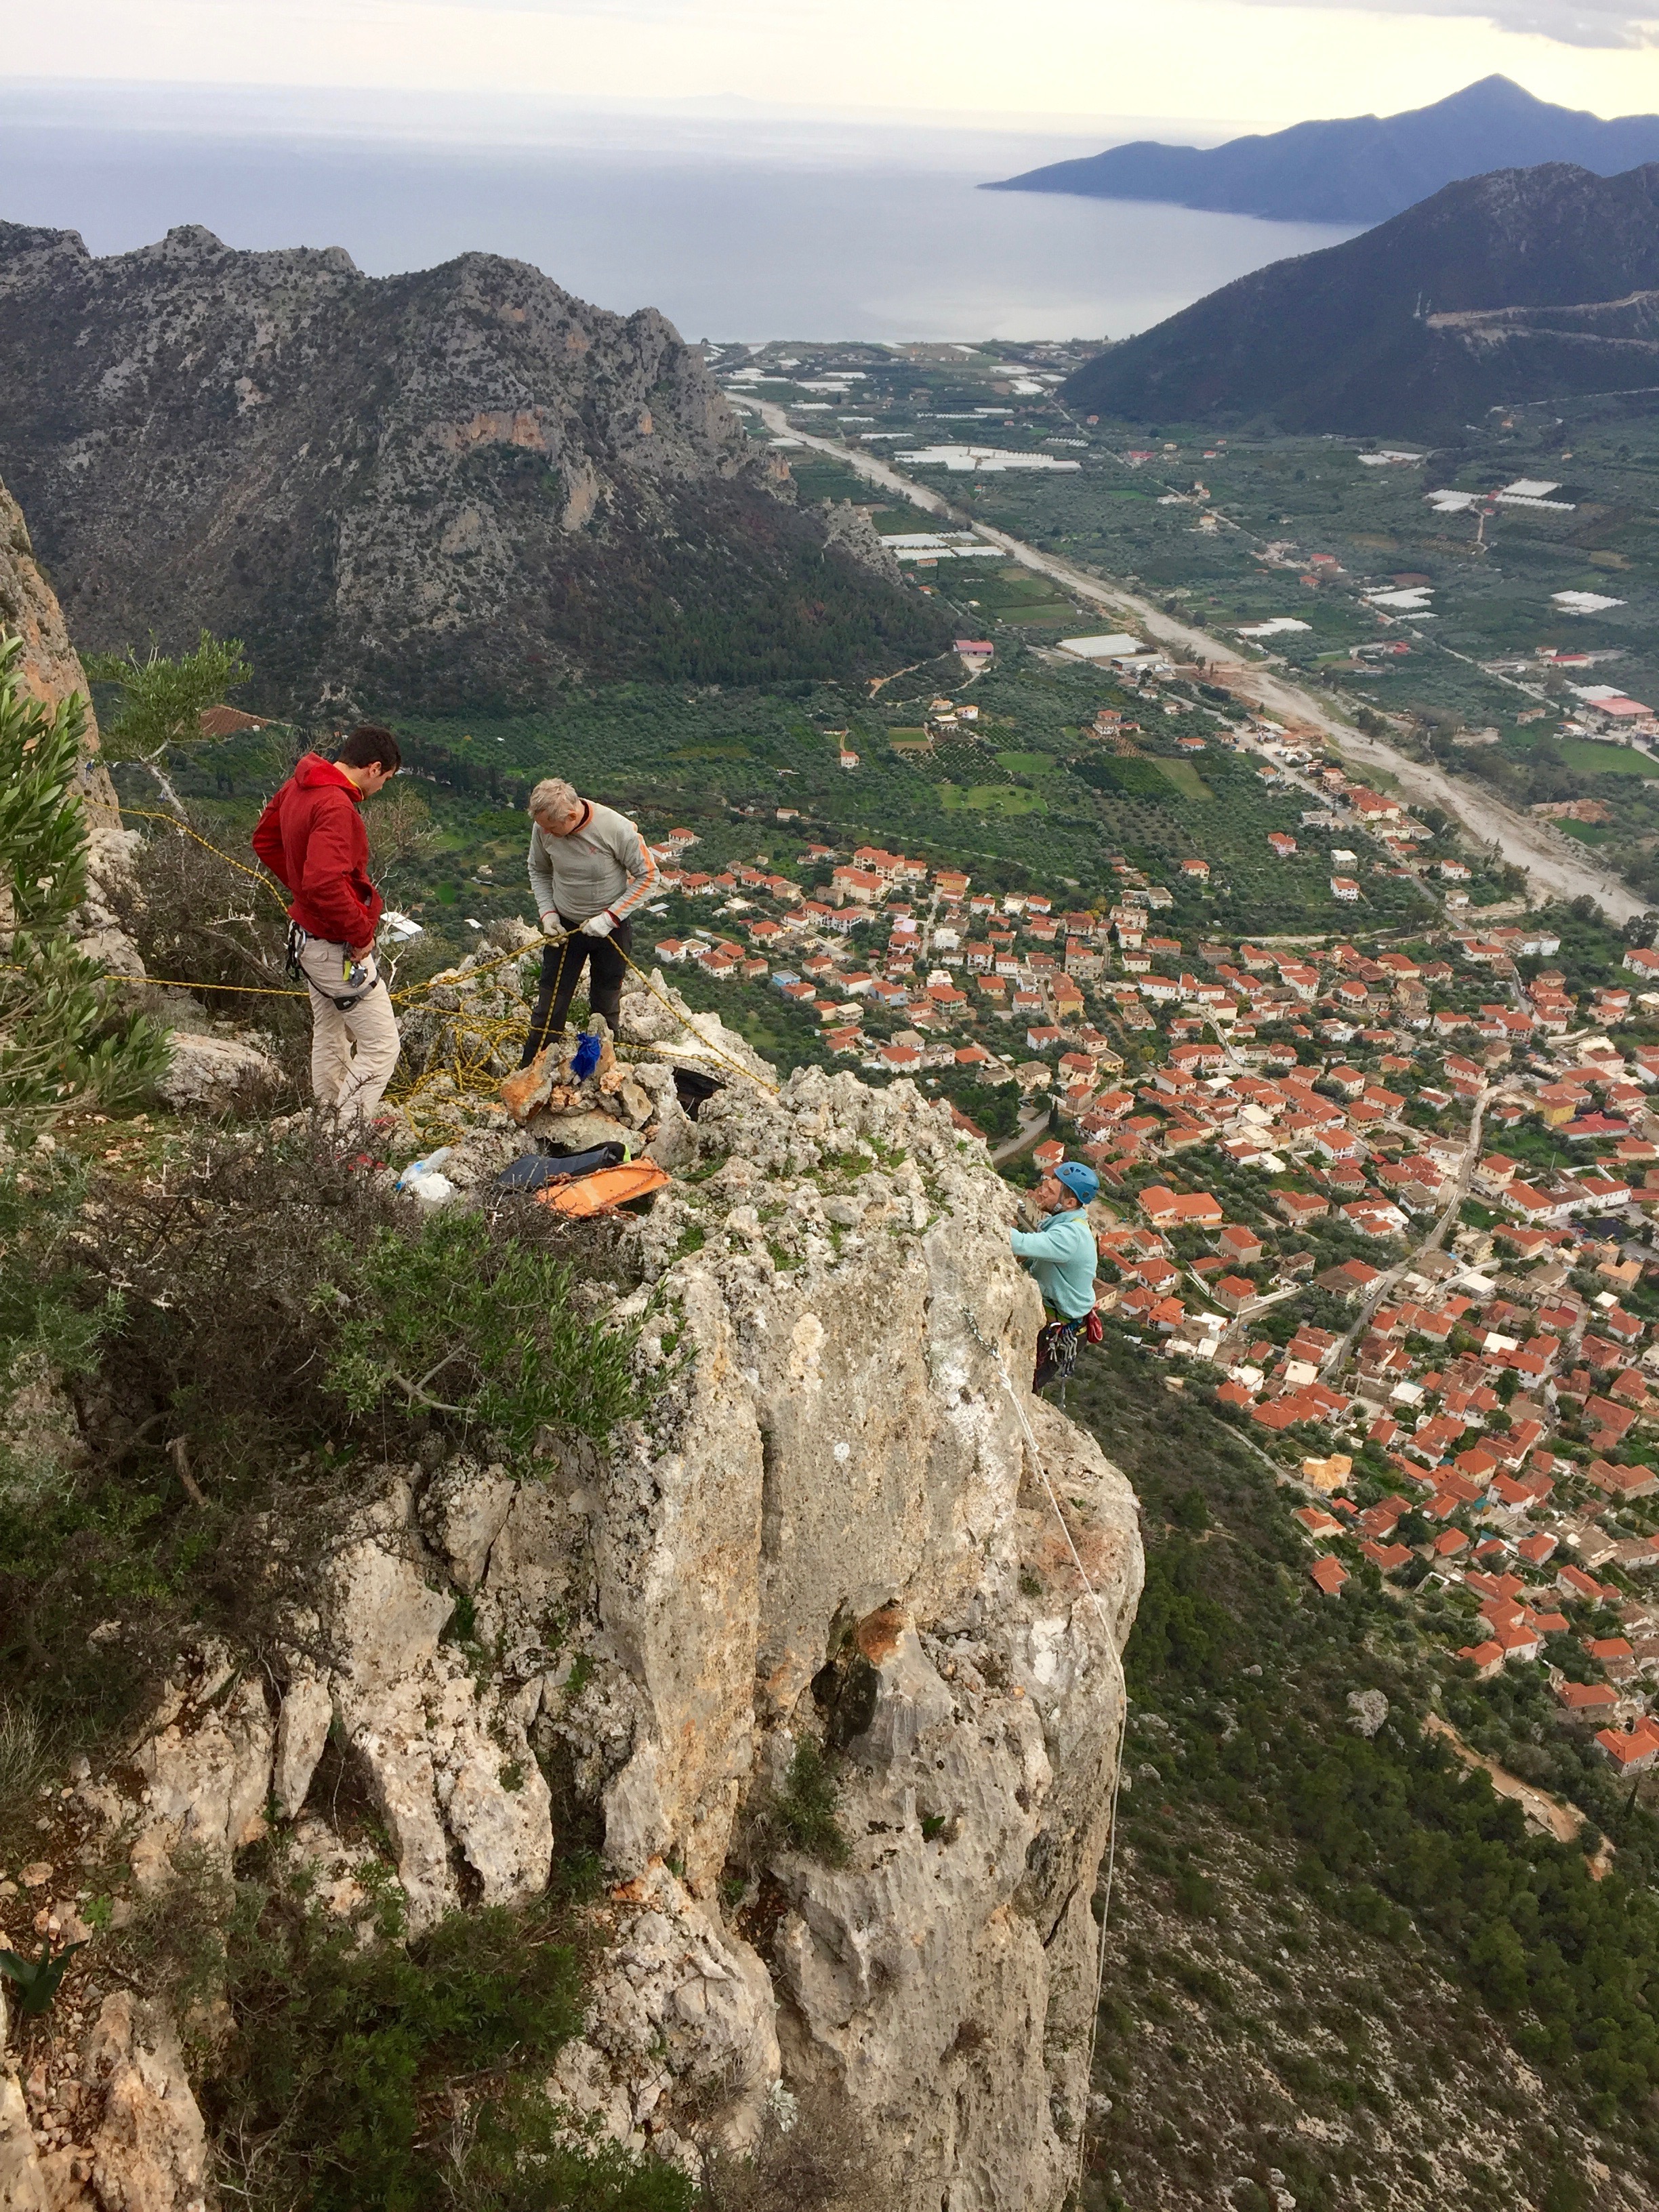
pixel 354 1049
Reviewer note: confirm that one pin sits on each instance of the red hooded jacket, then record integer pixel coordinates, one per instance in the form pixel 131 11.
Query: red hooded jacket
pixel 311 838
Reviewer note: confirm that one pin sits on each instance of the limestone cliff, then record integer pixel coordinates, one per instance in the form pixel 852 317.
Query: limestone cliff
pixel 829 1528
pixel 443 489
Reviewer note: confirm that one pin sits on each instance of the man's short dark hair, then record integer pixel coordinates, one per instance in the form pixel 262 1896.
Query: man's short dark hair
pixel 369 747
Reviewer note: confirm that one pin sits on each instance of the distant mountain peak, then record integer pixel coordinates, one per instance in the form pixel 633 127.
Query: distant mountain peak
pixel 1360 169
pixel 1496 91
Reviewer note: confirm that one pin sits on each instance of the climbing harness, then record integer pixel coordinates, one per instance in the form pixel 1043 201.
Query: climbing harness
pixel 1058 1345
pixel 1123 1708
pixel 358 980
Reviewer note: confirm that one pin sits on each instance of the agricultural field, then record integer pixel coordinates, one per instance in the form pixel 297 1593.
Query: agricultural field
pixel 1028 801
pixel 1251 528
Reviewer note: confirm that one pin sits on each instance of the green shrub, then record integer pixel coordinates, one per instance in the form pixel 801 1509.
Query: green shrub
pixel 44 1325
pixel 65 1038
pixel 193 912
pixel 373 2078
pixel 805 1807
pixel 458 1320
pixel 161 701
pixel 35 1981
pixel 1195 1893
pixel 209 1313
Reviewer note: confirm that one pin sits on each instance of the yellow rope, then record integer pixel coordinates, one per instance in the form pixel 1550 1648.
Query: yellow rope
pixel 446 976
pixel 663 1000
pixel 148 814
pixel 177 983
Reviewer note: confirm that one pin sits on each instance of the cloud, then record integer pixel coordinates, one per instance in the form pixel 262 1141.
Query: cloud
pixel 1600 24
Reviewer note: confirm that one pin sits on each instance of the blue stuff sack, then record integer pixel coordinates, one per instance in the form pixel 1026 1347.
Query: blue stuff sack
pixel 587 1056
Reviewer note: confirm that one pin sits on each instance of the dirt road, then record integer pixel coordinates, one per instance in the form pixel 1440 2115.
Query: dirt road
pixel 1561 1820
pixel 1553 871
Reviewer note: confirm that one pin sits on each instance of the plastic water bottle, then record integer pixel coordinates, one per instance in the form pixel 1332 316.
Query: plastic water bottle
pixel 430 1166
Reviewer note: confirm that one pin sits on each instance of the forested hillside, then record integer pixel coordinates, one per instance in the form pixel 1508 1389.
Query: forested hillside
pixel 1526 283
pixel 1340 1955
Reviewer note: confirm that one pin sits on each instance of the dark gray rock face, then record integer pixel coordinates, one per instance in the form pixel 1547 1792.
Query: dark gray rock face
pixel 453 487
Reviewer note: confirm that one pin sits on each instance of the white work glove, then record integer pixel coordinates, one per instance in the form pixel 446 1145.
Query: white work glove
pixel 599 925
pixel 552 926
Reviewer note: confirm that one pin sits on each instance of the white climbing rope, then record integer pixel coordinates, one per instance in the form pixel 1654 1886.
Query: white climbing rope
pixel 1021 1416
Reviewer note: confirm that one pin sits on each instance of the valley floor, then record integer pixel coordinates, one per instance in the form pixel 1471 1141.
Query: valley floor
pixel 1554 869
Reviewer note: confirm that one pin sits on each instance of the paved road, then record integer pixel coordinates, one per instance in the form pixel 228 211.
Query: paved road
pixel 1337 1354
pixel 1031 1127
pixel 1522 842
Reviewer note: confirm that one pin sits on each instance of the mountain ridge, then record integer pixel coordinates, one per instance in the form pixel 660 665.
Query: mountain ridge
pixel 449 489
pixel 1519 284
pixel 1357 169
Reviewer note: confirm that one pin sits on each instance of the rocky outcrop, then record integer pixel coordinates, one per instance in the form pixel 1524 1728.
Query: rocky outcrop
pixel 828 1549
pixel 445 489
pixel 108 2123
pixel 213 1072
pixel 836 1532
pixel 851 528
pixel 52 667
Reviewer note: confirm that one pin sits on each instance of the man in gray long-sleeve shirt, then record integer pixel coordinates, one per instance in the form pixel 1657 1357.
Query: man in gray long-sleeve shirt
pixel 589 869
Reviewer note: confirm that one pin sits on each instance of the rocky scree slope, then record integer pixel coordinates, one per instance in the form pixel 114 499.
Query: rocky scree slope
pixel 442 489
pixel 1507 287
pixel 828 1529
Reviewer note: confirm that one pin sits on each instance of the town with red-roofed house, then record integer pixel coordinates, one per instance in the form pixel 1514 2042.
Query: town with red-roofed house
pixel 1387 1196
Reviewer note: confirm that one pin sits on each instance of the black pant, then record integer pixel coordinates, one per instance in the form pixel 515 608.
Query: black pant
pixel 562 969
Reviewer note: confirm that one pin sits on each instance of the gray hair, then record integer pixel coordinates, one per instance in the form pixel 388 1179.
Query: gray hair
pixel 553 795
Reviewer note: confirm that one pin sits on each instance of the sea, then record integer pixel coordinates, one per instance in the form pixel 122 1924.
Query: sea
pixel 738 226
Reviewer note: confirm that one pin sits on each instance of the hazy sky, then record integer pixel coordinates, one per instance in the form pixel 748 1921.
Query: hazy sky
pixel 1241 61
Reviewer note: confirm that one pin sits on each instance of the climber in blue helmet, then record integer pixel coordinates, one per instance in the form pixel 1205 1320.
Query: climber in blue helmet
pixel 1061 1255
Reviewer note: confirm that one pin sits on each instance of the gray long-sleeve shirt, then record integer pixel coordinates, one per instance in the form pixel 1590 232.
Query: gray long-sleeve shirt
pixel 605 864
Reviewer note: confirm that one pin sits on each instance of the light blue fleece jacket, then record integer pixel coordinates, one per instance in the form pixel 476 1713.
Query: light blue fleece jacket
pixel 1062 1256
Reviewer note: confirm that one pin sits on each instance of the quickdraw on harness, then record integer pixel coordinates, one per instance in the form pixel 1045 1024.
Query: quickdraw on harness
pixel 1058 1345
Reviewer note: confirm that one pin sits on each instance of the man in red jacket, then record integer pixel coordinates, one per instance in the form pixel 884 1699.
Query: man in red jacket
pixel 311 837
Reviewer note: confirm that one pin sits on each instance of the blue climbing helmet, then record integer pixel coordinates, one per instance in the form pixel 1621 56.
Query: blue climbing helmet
pixel 1082 1182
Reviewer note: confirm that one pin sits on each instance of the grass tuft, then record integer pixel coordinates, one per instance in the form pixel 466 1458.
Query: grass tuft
pixel 805 1807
